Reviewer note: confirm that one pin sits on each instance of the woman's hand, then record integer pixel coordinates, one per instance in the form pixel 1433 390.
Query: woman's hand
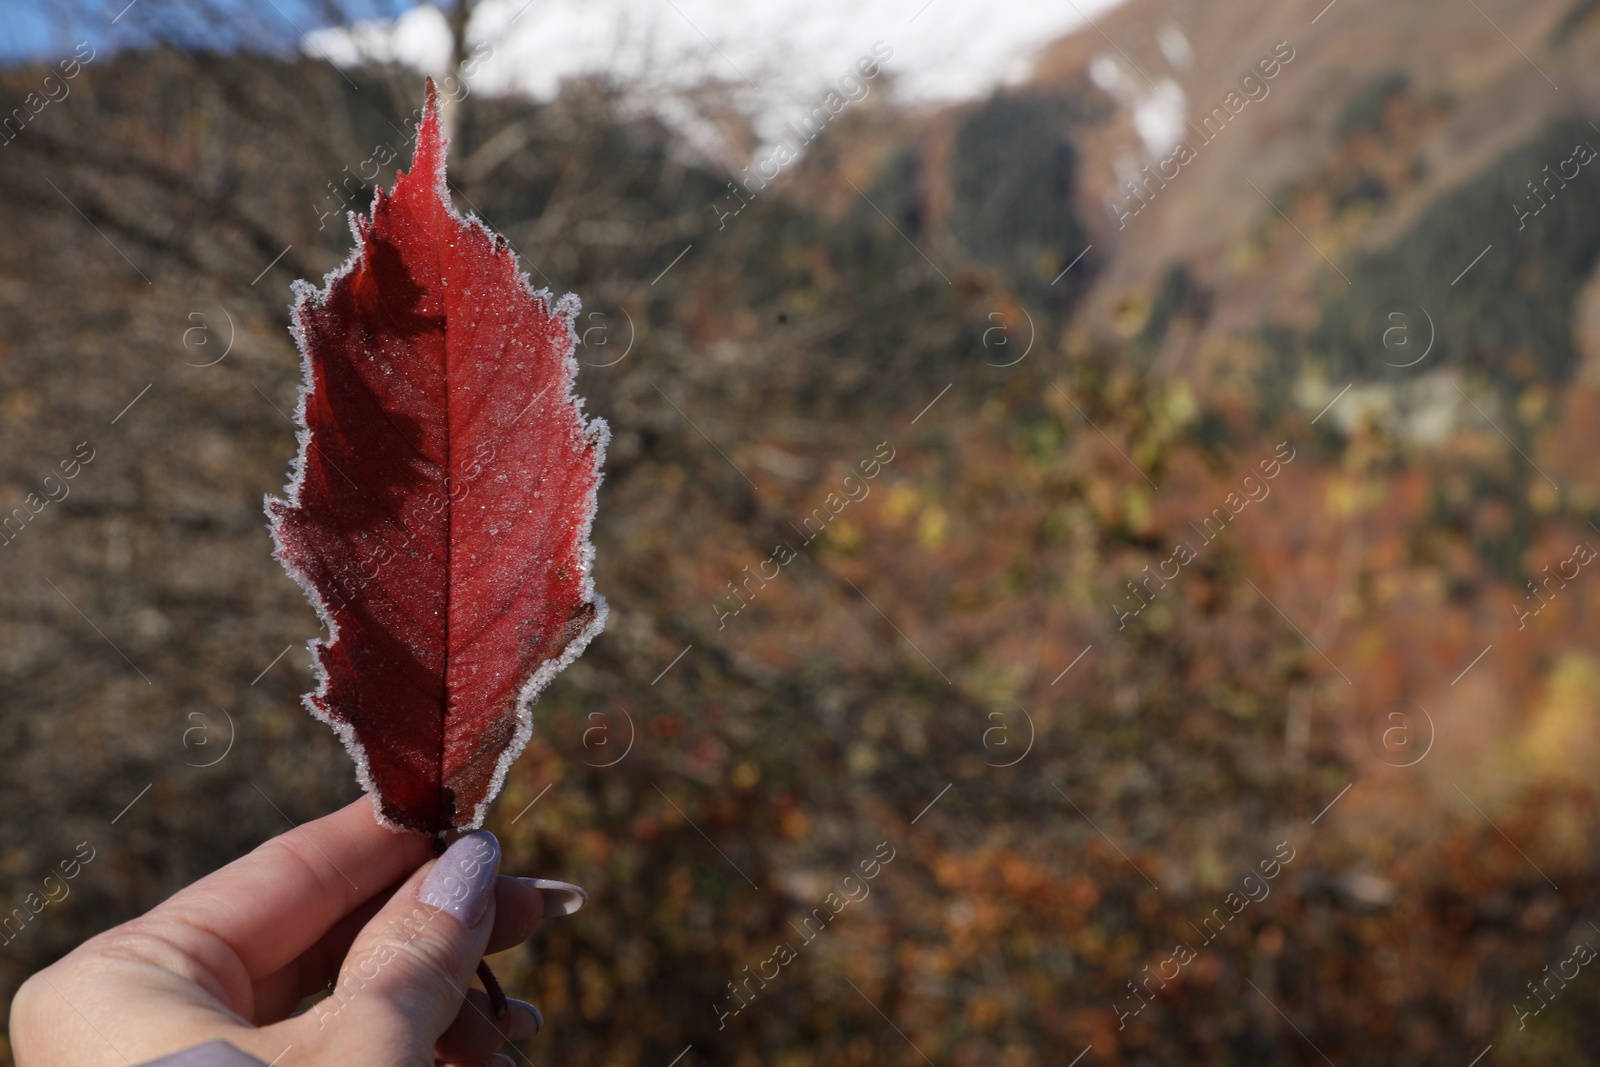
pixel 338 900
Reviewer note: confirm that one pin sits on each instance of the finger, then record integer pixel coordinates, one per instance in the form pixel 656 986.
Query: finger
pixel 273 904
pixel 476 1033
pixel 520 904
pixel 518 907
pixel 407 972
pixel 280 993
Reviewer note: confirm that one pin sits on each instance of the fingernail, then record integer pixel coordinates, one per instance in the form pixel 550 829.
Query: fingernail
pixel 462 882
pixel 560 898
pixel 525 1021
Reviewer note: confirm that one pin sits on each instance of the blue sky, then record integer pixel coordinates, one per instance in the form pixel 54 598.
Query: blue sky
pixel 775 58
pixel 47 29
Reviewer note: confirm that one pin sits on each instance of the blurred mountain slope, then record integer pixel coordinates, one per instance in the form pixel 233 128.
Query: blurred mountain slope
pixel 1384 108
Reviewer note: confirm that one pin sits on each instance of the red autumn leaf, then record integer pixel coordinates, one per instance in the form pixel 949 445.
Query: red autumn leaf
pixel 439 513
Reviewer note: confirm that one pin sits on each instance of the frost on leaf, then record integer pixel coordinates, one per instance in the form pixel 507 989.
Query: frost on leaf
pixel 439 512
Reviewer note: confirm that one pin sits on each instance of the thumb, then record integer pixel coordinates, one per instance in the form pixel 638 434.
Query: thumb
pixel 407 972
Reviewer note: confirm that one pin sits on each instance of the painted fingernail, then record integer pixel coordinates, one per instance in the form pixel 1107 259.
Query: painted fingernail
pixel 560 898
pixel 462 882
pixel 525 1021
